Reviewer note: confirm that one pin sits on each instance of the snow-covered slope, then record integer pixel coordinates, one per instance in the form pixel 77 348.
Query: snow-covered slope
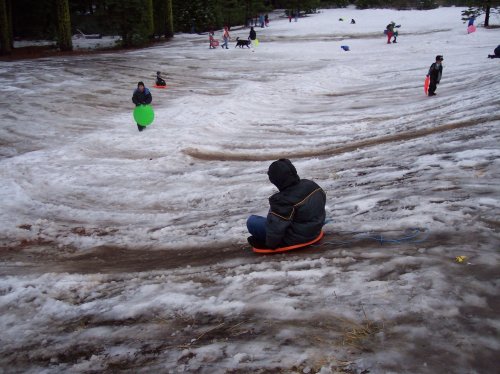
pixel 126 250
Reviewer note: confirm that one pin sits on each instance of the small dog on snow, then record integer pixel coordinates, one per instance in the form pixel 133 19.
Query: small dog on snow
pixel 242 43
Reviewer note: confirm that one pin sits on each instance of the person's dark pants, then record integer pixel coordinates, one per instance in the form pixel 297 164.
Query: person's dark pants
pixel 432 88
pixel 256 226
pixel 140 128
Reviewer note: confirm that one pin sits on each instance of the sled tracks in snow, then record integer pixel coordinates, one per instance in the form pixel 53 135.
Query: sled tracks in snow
pixel 349 147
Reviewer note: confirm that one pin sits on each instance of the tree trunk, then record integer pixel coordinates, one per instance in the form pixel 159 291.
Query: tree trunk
pixel 169 29
pixel 10 24
pixel 5 34
pixel 149 18
pixel 487 14
pixel 64 26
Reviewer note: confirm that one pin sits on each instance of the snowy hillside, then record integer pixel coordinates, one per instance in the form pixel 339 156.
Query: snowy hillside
pixel 126 250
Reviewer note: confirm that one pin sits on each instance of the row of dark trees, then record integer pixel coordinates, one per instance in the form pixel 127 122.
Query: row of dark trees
pixel 138 21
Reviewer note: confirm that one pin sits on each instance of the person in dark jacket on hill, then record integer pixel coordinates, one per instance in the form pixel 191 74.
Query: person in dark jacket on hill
pixel 296 214
pixel 253 34
pixel 435 73
pixel 141 96
pixel 496 53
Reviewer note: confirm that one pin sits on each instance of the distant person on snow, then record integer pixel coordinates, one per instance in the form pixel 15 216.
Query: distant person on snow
pixel 497 53
pixel 253 35
pixel 435 73
pixel 390 32
pixel 141 96
pixel 471 21
pixel 353 21
pixel 296 214
pixel 395 33
pixel 225 37
pixel 159 79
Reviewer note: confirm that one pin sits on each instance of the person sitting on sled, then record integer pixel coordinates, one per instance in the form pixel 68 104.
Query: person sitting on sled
pixel 496 53
pixel 159 79
pixel 296 214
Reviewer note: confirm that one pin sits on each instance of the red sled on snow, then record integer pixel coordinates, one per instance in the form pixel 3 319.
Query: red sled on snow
pixel 214 43
pixel 427 82
pixel 289 248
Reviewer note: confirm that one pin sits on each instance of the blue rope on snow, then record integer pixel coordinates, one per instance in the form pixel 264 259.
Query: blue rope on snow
pixel 409 238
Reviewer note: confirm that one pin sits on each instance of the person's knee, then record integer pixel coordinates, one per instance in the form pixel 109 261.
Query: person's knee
pixel 250 221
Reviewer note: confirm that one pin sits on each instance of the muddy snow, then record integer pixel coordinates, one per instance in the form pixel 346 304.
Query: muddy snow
pixel 126 250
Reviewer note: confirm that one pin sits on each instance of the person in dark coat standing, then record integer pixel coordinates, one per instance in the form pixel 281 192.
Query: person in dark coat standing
pixel 253 34
pixel 141 96
pixel 435 73
pixel 296 214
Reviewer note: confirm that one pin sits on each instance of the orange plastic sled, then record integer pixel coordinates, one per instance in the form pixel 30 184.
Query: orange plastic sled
pixel 427 82
pixel 289 248
pixel 155 86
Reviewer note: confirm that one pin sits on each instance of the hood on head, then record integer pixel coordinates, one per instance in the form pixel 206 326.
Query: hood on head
pixel 283 174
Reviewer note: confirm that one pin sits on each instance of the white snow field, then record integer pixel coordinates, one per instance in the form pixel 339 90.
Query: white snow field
pixel 126 251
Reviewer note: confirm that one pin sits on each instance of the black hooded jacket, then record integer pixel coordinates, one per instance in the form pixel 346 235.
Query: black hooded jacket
pixel 143 97
pixel 253 34
pixel 435 72
pixel 297 212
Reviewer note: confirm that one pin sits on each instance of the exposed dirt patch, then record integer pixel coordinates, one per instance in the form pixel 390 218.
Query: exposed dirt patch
pixel 44 257
pixel 399 137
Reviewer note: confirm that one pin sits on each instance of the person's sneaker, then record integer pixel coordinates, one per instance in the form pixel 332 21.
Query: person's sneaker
pixel 432 94
pixel 255 243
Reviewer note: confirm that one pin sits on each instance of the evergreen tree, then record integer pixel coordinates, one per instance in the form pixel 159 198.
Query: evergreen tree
pixel 149 27
pixel 163 18
pixel 64 25
pixel 365 4
pixel 5 34
pixel 34 19
pixel 479 7
pixel 131 19
pixel 9 22
pixel 169 30
pixel 427 4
